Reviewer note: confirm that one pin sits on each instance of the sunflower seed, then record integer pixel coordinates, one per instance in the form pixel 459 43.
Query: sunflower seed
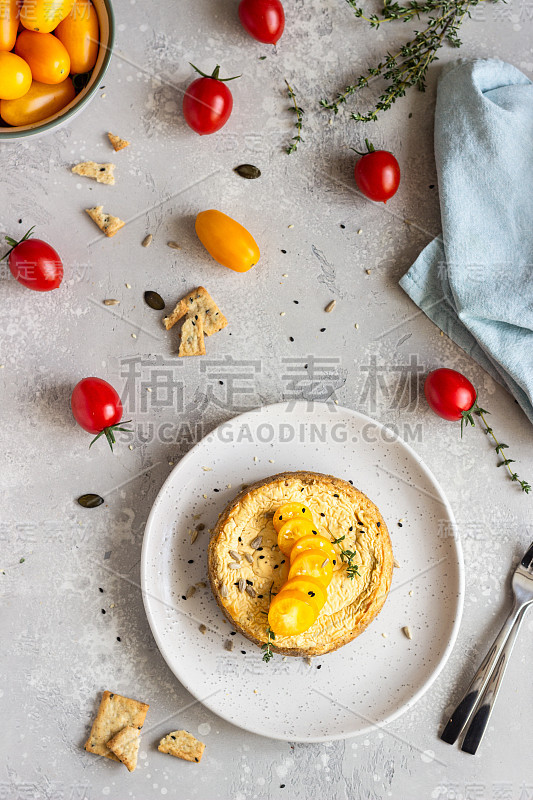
pixel 154 300
pixel 330 306
pixel 111 302
pixel 193 535
pixel 223 590
pixel 90 500
pixel 241 585
pixel 190 591
pixel 228 645
pixel 326 561
pixel 234 565
pixel 235 556
pixel 406 630
pixel 251 591
pixel 396 563
pixel 247 171
pixel 249 557
pixel 147 241
pixel 202 629
pixel 255 543
pixel 201 585
pixel 174 245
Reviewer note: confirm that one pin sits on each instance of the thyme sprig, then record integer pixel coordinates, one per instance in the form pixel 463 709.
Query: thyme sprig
pixel 295 108
pixel 467 418
pixel 347 557
pixel 409 65
pixel 267 646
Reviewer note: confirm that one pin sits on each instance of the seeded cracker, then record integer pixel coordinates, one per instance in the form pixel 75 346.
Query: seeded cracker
pixel 117 142
pixel 182 745
pixel 102 173
pixel 107 223
pixel 192 338
pixel 198 302
pixel 125 745
pixel 115 713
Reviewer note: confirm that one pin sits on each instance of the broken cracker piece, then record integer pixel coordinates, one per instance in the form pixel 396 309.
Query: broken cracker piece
pixel 198 303
pixel 115 713
pixel 102 173
pixel 125 745
pixel 117 142
pixel 192 341
pixel 107 223
pixel 182 745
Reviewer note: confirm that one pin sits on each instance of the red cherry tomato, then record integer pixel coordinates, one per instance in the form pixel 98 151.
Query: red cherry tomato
pixel 207 103
pixel 35 264
pixel 97 408
pixel 377 174
pixel 449 393
pixel 264 20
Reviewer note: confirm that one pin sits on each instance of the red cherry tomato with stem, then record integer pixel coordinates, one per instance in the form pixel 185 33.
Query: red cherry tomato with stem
pixel 97 409
pixel 449 394
pixel 34 263
pixel 264 20
pixel 377 174
pixel 207 103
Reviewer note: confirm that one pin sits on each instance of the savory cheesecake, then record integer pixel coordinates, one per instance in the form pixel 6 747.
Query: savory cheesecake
pixel 248 570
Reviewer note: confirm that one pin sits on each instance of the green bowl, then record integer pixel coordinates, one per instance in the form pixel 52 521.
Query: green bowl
pixel 106 20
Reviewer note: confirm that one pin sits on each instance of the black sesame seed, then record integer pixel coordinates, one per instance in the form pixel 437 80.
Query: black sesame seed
pixel 350 528
pixel 431 185
pixel 103 611
pixel 190 561
pixel 221 383
pixel 260 548
pixel 291 338
pixel 261 556
pixel 243 652
pixel 322 514
pixel 322 330
pixel 303 510
pixel 20 222
pixel 343 226
pixel 319 666
pixel 350 482
pixel 311 594
pixel 118 639
pixel 283 561
pixel 335 495
pixel 260 596
pixel 233 633
pixel 334 562
pixel 276 566
pixel 283 251
pixel 400 525
pixel 282 786
pixel 100 589
pixel 296 302
pixel 183 597
pixel 250 583
pixel 240 539
pixel 216 490
pixel 378 524
pixel 316 533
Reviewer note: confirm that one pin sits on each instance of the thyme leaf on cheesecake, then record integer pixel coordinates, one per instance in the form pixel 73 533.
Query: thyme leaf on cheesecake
pixel 408 66
pixel 347 557
pixel 267 646
pixel 295 108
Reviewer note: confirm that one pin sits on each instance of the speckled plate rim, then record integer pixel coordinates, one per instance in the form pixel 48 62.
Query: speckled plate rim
pixel 147 591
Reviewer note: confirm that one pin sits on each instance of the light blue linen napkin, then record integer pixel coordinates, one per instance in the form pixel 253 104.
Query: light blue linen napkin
pixel 476 282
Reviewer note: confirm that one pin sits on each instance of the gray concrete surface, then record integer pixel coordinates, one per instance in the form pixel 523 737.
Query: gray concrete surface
pixel 59 650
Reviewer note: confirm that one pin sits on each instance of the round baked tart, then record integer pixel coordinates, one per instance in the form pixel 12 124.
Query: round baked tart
pixel 247 569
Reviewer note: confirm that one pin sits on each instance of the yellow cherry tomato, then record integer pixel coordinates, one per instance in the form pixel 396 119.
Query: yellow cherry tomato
pixel 15 76
pixel 313 542
pixel 41 101
pixel 315 591
pixel 44 15
pixel 9 23
pixel 312 564
pixel 79 32
pixel 290 613
pixel 290 511
pixel 47 57
pixel 227 241
pixel 292 530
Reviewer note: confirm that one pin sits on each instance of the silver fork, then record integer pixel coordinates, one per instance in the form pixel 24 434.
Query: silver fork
pixel 478 701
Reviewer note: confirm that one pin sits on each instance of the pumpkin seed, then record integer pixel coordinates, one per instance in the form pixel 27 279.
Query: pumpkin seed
pixel 147 241
pixel 247 171
pixel 154 300
pixel 90 500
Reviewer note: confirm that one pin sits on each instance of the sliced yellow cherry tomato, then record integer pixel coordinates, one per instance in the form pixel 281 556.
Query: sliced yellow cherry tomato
pixel 15 76
pixel 44 15
pixel 290 613
pixel 41 101
pixel 9 23
pixel 313 588
pixel 313 542
pixel 312 564
pixel 290 511
pixel 46 56
pixel 79 32
pixel 292 530
pixel 227 241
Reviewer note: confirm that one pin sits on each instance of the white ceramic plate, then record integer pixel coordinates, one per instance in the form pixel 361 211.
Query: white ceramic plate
pixel 367 682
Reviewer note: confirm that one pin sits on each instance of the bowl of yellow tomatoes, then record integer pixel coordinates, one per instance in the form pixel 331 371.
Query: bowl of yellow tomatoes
pixel 53 56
